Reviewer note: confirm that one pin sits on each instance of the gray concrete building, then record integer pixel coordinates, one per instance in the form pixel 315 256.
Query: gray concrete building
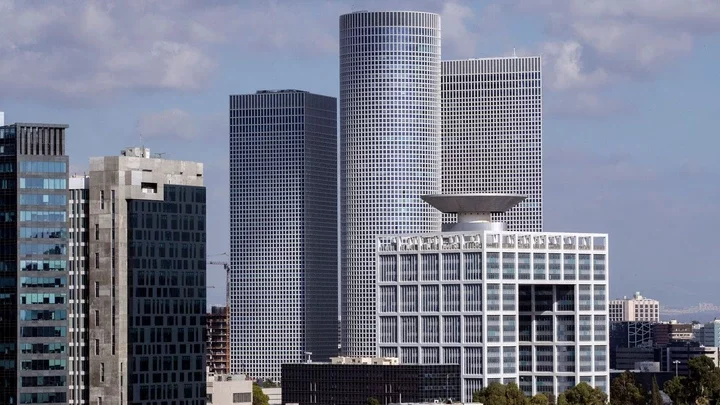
pixel 33 264
pixel 143 227
pixel 283 230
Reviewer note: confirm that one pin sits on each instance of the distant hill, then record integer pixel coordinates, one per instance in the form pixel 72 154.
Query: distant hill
pixel 701 317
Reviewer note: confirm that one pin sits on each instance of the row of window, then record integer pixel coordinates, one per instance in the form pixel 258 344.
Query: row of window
pixel 40 183
pixel 42 348
pixel 43 233
pixel 43 282
pixel 43 331
pixel 43 216
pixel 43 167
pixel 41 265
pixel 44 381
pixel 42 249
pixel 43 298
pixel 43 199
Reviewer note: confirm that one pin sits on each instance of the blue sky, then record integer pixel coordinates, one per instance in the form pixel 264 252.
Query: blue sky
pixel 630 106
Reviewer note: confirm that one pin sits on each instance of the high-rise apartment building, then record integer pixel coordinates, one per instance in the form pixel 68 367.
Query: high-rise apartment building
pixel 637 308
pixel 218 340
pixel 389 148
pixel 283 230
pixel 33 264
pixel 492 133
pixel 508 306
pixel 138 262
pixel 78 262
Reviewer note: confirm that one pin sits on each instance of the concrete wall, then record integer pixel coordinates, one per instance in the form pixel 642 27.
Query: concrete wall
pixel 112 181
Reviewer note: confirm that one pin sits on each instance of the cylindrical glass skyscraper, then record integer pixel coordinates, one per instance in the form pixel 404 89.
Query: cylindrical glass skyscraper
pixel 390 148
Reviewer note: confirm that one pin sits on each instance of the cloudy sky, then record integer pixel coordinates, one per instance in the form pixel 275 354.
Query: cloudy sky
pixel 630 98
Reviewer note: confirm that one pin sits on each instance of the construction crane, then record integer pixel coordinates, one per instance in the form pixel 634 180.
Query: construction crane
pixel 225 265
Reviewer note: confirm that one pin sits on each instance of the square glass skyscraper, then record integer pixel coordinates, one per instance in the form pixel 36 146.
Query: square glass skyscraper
pixel 283 230
pixel 492 133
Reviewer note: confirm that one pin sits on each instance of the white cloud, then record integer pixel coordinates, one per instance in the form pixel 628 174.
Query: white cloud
pixel 457 36
pixel 566 71
pixel 623 39
pixel 92 52
pixel 593 45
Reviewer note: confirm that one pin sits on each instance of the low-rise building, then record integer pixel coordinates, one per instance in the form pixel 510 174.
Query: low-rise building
pixel 227 389
pixel 630 342
pixel 353 382
pixel 274 395
pixel 668 332
pixel 637 308
pixel 675 356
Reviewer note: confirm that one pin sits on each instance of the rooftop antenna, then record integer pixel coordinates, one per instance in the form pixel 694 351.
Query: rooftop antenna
pixel 514 54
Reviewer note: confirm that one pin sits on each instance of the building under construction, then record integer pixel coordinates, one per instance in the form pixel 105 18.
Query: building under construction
pixel 218 340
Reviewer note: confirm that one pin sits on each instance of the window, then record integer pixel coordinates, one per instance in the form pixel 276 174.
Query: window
pixel 239 397
pixel 102 372
pixel 97 260
pixel 97 231
pixel 97 347
pixel 97 289
pixel 97 318
pixel 102 199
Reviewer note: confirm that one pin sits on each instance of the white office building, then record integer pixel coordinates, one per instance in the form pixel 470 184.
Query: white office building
pixel 389 148
pixel 637 308
pixel 492 134
pixel 524 307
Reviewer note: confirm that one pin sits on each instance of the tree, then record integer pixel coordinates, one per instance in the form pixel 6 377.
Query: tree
pixel 675 389
pixel 551 398
pixel 704 380
pixel 539 399
pixel 372 401
pixel 513 395
pixel 493 394
pixel 498 394
pixel 259 397
pixel 655 397
pixel 269 384
pixel 582 394
pixel 625 391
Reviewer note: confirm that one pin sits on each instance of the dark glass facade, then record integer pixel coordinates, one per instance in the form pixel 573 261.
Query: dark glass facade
pixel 33 264
pixel 166 303
pixel 352 384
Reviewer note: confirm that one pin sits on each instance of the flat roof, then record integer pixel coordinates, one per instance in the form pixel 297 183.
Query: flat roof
pixel 473 203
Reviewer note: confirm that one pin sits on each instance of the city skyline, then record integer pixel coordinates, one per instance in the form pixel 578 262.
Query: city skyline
pixel 620 135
